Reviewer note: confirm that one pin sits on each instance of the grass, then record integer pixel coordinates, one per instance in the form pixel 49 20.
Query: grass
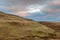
pixel 17 28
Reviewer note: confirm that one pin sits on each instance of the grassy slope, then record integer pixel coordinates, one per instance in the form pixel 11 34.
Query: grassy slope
pixel 17 28
pixel 53 25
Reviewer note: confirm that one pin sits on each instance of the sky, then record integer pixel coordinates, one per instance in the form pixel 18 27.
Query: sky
pixel 39 10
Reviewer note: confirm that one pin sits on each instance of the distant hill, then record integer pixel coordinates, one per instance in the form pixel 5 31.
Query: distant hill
pixel 13 27
pixel 53 25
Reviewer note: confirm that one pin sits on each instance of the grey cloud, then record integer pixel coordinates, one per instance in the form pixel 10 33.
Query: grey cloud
pixel 19 5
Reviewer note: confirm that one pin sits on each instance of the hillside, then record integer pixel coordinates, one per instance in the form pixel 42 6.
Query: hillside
pixel 13 27
pixel 53 25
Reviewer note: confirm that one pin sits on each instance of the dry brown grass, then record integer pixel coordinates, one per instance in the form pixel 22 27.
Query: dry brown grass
pixel 17 28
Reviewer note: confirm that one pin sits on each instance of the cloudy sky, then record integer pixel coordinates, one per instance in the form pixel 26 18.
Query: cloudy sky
pixel 40 10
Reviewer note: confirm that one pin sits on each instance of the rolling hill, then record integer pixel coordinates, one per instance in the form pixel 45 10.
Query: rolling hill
pixel 53 25
pixel 13 27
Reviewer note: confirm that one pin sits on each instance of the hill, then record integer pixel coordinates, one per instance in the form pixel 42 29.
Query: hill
pixel 13 27
pixel 53 25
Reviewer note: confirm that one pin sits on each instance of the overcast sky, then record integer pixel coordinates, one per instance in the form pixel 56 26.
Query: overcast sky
pixel 50 12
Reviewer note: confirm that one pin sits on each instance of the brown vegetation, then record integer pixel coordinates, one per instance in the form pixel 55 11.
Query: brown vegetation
pixel 17 28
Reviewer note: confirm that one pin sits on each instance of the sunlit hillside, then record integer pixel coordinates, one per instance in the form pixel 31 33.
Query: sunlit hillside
pixel 13 27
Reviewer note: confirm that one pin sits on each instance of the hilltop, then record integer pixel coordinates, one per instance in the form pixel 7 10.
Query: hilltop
pixel 13 27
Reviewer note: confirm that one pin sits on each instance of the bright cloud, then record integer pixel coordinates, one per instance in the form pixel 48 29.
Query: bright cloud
pixel 35 8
